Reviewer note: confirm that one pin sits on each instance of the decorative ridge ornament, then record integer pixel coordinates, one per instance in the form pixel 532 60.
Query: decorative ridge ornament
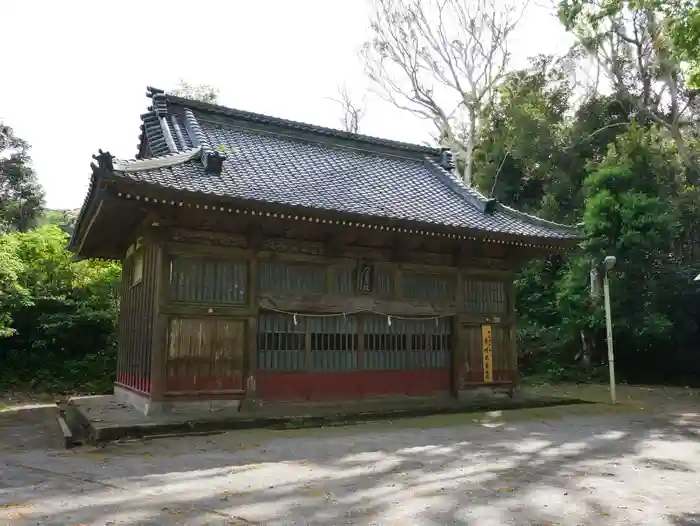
pixel 106 162
pixel 447 159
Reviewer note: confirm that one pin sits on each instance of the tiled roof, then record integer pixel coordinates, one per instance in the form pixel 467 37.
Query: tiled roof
pixel 277 161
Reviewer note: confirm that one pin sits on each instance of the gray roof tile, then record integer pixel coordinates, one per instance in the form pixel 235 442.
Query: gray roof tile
pixel 269 166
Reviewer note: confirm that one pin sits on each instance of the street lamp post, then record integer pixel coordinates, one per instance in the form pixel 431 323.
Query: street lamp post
pixel 608 264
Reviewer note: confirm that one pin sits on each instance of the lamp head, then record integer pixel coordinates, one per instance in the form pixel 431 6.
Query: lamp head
pixel 609 262
pixel 697 278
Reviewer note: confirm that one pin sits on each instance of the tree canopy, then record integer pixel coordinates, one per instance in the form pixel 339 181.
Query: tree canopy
pixel 21 196
pixel 200 92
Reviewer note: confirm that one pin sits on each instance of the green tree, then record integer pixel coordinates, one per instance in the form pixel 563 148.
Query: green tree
pixel 630 42
pixel 200 92
pixel 57 316
pixel 519 156
pixel 628 215
pixel 64 219
pixel 21 197
pixel 683 23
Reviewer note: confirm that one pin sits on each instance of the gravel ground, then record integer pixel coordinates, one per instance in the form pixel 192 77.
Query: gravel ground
pixel 616 469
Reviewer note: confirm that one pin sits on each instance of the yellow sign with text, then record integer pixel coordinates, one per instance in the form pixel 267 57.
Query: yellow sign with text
pixel 487 348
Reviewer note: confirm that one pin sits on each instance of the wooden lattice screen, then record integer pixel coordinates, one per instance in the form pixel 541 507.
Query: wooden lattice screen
pixel 285 278
pixel 201 280
pixel 485 297
pixel 425 286
pixel 350 343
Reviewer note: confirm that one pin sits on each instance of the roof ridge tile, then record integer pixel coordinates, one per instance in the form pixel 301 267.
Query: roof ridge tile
pixel 484 203
pixel 212 160
pixel 298 125
pixel 448 177
pixel 532 219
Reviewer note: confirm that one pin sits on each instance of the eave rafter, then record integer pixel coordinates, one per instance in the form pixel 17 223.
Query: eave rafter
pixel 200 203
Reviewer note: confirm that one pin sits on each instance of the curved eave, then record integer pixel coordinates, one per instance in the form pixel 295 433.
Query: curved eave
pixel 566 230
pixel 480 201
pixel 163 195
pixel 84 216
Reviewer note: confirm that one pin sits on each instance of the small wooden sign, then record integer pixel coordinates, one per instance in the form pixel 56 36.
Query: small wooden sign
pixel 365 277
pixel 487 349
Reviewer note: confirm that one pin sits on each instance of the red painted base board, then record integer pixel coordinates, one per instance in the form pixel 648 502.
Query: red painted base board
pixel 136 383
pixel 290 387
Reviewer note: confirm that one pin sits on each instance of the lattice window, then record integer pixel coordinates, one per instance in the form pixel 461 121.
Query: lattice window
pixel 289 278
pixel 430 343
pixel 406 344
pixel 281 343
pixel 202 280
pixel 334 343
pixel 385 345
pixel 426 286
pixel 485 297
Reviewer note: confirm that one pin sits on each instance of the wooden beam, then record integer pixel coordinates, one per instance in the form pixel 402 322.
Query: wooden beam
pixel 331 304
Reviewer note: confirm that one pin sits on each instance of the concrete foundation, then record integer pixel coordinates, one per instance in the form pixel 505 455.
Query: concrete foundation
pixel 147 407
pixel 106 418
pixel 138 401
pixel 485 394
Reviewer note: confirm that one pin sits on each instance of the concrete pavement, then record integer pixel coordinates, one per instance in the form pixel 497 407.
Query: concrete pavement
pixel 620 469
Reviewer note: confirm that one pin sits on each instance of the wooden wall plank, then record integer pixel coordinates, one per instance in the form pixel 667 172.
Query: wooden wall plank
pixel 205 354
pixel 136 320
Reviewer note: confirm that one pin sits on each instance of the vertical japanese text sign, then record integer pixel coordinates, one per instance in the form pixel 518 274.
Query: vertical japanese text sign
pixel 487 348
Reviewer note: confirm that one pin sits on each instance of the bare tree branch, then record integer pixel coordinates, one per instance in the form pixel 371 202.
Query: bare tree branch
pixel 442 60
pixel 352 111
pixel 632 49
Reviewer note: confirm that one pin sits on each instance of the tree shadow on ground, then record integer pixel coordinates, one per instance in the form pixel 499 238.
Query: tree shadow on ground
pixel 686 519
pixel 592 470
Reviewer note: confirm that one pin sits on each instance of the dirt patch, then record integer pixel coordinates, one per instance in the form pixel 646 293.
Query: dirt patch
pixel 656 399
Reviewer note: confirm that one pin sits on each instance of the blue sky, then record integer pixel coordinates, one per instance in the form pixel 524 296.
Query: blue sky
pixel 76 71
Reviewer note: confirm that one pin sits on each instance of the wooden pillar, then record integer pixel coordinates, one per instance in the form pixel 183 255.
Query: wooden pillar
pixel 458 343
pixel 121 323
pixel 251 367
pixel 512 340
pixel 160 322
